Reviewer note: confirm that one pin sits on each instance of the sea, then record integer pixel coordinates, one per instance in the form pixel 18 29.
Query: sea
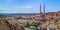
pixel 16 14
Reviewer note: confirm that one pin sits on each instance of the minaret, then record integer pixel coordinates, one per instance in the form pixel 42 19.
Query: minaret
pixel 44 11
pixel 44 8
pixel 40 9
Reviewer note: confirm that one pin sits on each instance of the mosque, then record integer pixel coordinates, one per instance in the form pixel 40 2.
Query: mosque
pixel 41 15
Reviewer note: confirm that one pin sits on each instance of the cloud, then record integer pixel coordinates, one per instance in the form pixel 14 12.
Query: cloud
pixel 28 6
pixel 17 9
pixel 23 7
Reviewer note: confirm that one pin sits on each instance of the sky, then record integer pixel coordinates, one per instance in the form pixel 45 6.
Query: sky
pixel 28 6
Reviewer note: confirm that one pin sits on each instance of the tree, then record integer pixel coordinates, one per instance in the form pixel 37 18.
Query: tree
pixel 27 25
pixel 34 24
pixel 22 27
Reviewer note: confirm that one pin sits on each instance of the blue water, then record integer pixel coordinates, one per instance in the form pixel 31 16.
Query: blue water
pixel 12 14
